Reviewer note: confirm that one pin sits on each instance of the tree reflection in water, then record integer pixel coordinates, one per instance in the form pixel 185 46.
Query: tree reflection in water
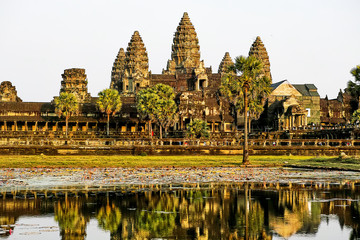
pixel 72 219
pixel 224 211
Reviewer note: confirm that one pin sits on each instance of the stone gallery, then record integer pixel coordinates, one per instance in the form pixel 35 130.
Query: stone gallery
pixel 197 94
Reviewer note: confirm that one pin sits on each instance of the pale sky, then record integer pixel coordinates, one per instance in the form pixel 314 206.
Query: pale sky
pixel 308 41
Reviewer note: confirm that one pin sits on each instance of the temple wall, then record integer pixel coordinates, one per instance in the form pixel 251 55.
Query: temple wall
pixel 176 150
pixel 312 103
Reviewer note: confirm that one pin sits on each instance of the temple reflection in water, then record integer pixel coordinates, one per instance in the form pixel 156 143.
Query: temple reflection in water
pixel 242 211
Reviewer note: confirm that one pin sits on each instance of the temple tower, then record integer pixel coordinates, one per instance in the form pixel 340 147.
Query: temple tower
pixel 8 92
pixel 136 74
pixel 185 55
pixel 225 63
pixel 118 70
pixel 258 50
pixel 75 81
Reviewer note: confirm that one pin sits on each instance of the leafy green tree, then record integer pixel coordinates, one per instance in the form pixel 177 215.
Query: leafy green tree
pixel 355 116
pixel 66 105
pixel 197 128
pixel 353 87
pixel 109 218
pixel 356 73
pixel 258 93
pixel 109 102
pixel 158 105
pixel 246 89
pixel 71 220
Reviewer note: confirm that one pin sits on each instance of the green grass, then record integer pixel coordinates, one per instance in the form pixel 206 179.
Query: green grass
pixel 15 161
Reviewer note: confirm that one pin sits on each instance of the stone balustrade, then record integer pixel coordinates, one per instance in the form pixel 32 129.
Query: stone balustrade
pixel 39 140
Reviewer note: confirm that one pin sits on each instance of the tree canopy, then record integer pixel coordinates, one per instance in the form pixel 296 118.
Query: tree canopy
pixel 355 116
pixel 353 87
pixel 109 102
pixel 246 87
pixel 66 105
pixel 158 105
pixel 197 129
pixel 249 71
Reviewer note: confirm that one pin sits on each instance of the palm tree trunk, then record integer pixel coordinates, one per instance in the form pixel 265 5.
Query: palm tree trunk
pixel 160 131
pixel 246 146
pixel 150 129
pixel 66 125
pixel 235 119
pixel 246 237
pixel 249 124
pixel 108 125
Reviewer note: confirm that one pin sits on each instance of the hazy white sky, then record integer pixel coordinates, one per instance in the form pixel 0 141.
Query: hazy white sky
pixel 308 41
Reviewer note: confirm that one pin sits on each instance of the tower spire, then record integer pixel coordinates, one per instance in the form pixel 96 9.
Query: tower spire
pixel 136 68
pixel 136 58
pixel 118 70
pixel 225 63
pixel 185 54
pixel 258 50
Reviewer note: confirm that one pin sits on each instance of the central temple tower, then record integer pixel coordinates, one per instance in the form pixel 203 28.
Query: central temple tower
pixel 185 55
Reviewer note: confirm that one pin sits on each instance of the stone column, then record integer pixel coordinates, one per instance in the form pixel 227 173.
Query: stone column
pixel 26 126
pixel 15 126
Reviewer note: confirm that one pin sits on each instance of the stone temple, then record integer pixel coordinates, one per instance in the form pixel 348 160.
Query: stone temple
pixel 196 87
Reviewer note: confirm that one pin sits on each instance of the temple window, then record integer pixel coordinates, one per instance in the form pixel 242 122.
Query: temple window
pixel 202 83
pixel 308 112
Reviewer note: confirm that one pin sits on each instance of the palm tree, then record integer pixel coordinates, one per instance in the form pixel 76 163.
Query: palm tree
pixel 157 103
pixel 109 102
pixel 353 87
pixel 66 105
pixel 248 84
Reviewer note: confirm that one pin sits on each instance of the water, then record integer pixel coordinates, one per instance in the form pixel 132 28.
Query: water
pixel 224 211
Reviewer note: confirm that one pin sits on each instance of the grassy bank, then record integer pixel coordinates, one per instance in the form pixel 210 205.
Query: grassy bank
pixel 177 161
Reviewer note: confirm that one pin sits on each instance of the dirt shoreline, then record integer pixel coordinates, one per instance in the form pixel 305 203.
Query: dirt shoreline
pixel 33 178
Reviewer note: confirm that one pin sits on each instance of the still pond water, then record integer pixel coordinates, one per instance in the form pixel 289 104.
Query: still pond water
pixel 242 211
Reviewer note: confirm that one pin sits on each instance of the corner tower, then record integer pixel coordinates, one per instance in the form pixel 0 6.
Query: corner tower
pixel 258 50
pixel 75 81
pixel 131 69
pixel 185 51
pixel 8 92
pixel 118 70
pixel 226 62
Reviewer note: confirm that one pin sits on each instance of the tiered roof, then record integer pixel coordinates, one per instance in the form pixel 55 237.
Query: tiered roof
pixel 225 63
pixel 136 58
pixel 118 68
pixel 8 92
pixel 185 49
pixel 75 81
pixel 258 50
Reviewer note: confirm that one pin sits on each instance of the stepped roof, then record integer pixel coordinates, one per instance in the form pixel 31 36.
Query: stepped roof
pixel 118 67
pixel 136 58
pixel 225 63
pixel 185 49
pixel 258 50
